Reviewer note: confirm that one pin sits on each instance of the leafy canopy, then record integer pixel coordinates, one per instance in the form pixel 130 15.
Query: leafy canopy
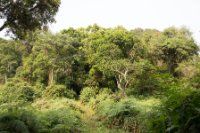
pixel 20 16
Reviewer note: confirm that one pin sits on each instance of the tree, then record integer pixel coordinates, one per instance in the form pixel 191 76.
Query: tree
pixel 97 58
pixel 178 46
pixel 146 45
pixel 122 70
pixel 51 58
pixel 189 71
pixel 121 37
pixel 20 16
pixel 10 58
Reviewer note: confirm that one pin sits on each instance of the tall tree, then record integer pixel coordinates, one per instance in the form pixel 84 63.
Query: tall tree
pixel 122 70
pixel 121 37
pixel 20 16
pixel 52 56
pixel 178 46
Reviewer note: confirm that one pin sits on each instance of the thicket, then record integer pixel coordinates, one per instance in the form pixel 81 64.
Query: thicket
pixel 44 116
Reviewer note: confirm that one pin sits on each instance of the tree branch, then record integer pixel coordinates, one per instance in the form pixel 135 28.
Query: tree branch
pixel 116 70
pixel 3 26
pixel 34 7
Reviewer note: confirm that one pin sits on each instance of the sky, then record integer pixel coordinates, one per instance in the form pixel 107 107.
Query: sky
pixel 157 14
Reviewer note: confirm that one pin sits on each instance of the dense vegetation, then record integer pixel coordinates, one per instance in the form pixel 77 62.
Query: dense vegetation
pixel 97 79
pixel 20 17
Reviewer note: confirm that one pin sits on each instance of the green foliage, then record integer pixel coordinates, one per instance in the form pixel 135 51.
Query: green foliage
pixel 103 94
pixel 118 114
pixel 184 112
pixel 145 64
pixel 53 116
pixel 18 121
pixel 87 93
pixel 189 72
pixel 179 114
pixel 130 114
pixel 120 37
pixel 156 122
pixel 17 91
pixel 22 16
pixel 57 115
pixel 10 59
pixel 106 52
pixel 56 91
pixel 60 121
pixel 177 47
pixel 152 83
pixel 144 78
pixel 93 96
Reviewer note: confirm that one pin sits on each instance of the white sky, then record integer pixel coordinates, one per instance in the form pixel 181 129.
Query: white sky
pixel 158 14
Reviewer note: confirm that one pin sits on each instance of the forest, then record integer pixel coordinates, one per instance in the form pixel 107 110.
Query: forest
pixel 97 79
pixel 94 79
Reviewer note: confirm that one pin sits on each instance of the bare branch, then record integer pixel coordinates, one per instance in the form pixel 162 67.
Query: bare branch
pixel 116 70
pixel 34 7
pixel 3 26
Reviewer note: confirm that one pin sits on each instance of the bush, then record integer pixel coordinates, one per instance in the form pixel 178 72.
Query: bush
pixel 194 82
pixel 39 88
pixel 87 93
pixel 58 115
pixel 131 114
pixel 17 92
pixel 102 95
pixel 63 120
pixel 55 91
pixel 18 121
pixel 121 114
pixel 183 113
pixel 180 112
pixel 44 116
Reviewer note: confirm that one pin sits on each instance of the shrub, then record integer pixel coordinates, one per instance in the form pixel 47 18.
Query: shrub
pixel 18 121
pixel 156 122
pixel 63 120
pixel 39 88
pixel 183 113
pixel 121 114
pixel 57 120
pixel 180 112
pixel 58 115
pixel 87 93
pixel 194 82
pixel 59 91
pixel 131 114
pixel 102 95
pixel 14 92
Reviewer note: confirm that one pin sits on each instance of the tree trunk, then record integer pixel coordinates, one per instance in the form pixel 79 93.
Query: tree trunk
pixel 124 92
pixel 171 66
pixel 119 82
pixel 121 86
pixel 5 78
pixel 51 77
pixel 171 61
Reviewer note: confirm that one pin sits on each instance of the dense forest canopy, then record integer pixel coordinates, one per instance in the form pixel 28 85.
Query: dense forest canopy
pixel 22 16
pixel 141 80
